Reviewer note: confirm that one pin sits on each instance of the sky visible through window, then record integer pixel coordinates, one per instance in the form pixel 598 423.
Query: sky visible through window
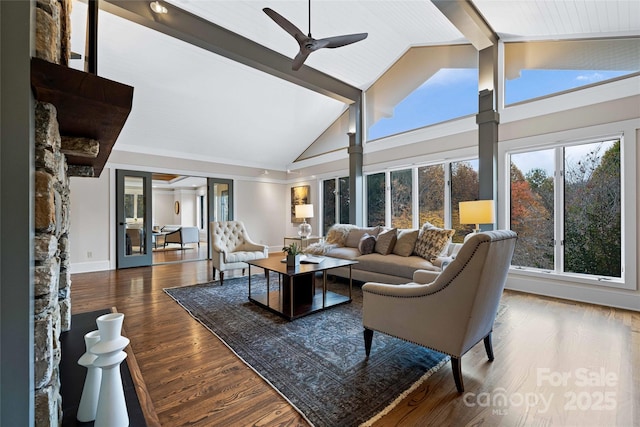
pixel 453 93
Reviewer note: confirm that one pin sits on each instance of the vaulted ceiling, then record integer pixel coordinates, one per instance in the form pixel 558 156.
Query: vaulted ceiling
pixel 192 103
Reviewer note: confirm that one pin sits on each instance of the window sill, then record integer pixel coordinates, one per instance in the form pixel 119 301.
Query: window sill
pixel 610 282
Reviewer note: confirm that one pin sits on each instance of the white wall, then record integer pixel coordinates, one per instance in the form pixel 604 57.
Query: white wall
pixel 90 235
pixel 261 205
pixel 163 212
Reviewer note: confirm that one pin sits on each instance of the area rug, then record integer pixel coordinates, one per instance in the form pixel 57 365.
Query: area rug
pixel 316 362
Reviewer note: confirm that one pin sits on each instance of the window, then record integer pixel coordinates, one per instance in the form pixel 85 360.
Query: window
pixel 582 206
pixel 536 69
pixel 422 194
pixel 427 85
pixel 329 204
pixel 335 198
pixel 464 187
pixel 375 199
pixel 431 190
pixel 401 199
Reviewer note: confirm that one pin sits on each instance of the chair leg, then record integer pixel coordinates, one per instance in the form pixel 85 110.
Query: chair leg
pixel 456 367
pixel 489 347
pixel 368 338
pixel 221 278
pixel 243 271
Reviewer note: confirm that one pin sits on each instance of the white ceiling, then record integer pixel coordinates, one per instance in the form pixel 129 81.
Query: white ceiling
pixel 191 103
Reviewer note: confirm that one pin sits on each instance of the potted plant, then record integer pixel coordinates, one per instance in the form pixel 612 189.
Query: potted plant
pixel 293 254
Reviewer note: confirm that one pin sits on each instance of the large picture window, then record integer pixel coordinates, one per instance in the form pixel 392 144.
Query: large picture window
pixel 566 205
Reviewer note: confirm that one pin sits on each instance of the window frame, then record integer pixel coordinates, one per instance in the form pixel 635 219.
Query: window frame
pixel 558 141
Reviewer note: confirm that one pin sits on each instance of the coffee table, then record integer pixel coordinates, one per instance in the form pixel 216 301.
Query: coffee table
pixel 295 296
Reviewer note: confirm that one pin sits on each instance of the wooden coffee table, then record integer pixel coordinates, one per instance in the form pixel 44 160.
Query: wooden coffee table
pixel 295 296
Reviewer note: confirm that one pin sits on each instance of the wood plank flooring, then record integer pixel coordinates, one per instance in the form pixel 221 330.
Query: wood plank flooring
pixel 194 379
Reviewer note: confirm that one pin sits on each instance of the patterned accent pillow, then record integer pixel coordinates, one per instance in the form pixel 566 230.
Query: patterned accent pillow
pixel 432 241
pixel 386 241
pixel 366 244
pixel 406 242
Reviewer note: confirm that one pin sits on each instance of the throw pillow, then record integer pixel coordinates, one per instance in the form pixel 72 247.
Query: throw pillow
pixel 386 241
pixel 366 244
pixel 338 233
pixel 356 234
pixel 432 241
pixel 406 242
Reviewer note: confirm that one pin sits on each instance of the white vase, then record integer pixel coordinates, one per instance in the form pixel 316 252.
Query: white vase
pixel 112 407
pixel 90 392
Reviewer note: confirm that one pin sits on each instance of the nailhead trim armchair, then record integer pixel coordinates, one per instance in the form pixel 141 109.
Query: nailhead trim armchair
pixel 449 312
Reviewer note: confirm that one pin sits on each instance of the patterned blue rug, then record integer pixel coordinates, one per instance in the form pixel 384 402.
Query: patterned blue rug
pixel 316 362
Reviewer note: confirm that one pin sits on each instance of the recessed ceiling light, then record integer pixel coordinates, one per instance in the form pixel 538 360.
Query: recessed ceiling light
pixel 157 7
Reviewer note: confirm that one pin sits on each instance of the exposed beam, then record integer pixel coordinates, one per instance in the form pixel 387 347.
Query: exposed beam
pixel 466 18
pixel 193 29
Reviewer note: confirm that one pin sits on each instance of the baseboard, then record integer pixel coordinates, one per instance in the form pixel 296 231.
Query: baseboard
pixel 629 300
pixel 88 267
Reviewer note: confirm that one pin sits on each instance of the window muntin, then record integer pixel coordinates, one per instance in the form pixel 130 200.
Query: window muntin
pixel 583 205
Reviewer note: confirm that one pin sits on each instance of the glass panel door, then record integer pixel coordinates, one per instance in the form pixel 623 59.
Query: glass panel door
pixel 220 201
pixel 133 219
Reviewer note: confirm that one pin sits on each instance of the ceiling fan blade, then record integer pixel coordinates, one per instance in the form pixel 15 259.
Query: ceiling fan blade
pixel 337 41
pixel 285 24
pixel 299 59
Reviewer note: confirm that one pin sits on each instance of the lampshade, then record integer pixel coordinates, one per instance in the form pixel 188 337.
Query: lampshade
pixel 477 212
pixel 304 211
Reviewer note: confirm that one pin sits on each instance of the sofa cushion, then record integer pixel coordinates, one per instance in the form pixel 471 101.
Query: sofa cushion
pixel 406 242
pixel 355 234
pixel 393 265
pixel 432 241
pixel 385 241
pixel 366 244
pixel 344 252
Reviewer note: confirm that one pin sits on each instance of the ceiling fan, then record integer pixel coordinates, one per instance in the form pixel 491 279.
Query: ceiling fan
pixel 307 43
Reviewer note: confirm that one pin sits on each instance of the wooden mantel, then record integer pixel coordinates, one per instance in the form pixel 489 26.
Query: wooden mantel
pixel 88 106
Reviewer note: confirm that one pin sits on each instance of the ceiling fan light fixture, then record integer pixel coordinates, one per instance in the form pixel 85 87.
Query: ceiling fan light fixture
pixel 157 7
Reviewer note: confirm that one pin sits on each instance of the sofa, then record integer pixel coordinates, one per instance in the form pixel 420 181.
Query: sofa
pixel 181 235
pixel 387 255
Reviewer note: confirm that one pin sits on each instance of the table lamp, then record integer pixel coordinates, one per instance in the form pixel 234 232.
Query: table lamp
pixel 304 212
pixel 476 212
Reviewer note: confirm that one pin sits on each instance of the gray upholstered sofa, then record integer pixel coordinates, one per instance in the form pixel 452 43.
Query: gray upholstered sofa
pixel 181 235
pixel 388 262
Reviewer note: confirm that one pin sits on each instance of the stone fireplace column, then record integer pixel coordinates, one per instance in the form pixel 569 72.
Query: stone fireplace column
pixel 52 279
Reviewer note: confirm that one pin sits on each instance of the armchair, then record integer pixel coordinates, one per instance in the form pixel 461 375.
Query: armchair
pixel 451 313
pixel 231 247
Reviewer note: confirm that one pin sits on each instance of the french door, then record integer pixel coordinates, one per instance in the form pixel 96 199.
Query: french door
pixel 220 206
pixel 133 219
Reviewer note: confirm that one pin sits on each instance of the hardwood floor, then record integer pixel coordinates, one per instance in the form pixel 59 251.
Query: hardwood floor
pixel 557 362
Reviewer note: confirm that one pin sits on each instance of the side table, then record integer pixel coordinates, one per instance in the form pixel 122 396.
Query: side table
pixel 302 242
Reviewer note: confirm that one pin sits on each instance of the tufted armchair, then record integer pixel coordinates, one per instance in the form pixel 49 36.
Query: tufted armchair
pixel 449 312
pixel 231 247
